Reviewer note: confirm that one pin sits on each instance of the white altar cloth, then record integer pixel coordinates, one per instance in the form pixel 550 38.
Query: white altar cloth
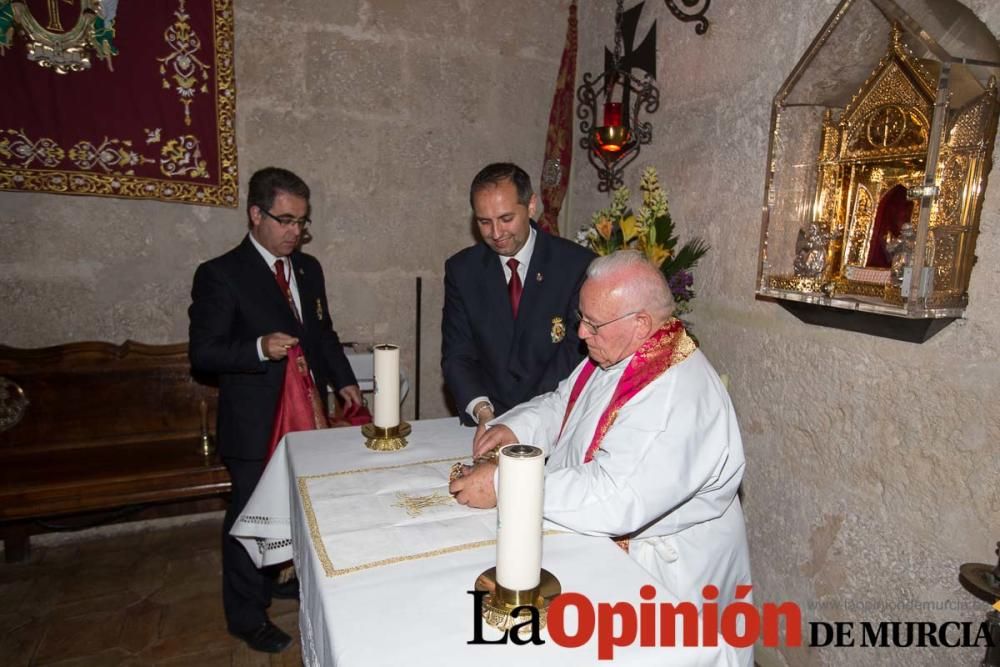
pixel 363 608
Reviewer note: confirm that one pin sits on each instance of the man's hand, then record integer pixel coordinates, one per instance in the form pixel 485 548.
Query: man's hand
pixel 496 436
pixel 275 345
pixel 351 395
pixel 475 487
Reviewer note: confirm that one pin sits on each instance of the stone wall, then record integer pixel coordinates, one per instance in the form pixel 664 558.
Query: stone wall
pixel 387 108
pixel 873 465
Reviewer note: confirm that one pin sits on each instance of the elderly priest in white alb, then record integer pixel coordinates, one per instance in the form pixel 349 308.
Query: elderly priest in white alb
pixel 642 440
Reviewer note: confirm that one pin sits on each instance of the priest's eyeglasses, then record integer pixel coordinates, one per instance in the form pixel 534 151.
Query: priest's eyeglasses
pixel 285 220
pixel 593 328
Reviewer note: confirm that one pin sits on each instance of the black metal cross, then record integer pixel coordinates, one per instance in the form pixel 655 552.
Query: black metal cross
pixel 642 57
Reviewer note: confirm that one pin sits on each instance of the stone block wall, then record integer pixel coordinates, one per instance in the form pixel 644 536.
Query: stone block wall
pixel 873 466
pixel 387 108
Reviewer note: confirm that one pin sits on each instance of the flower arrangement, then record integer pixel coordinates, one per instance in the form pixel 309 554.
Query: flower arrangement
pixel 650 231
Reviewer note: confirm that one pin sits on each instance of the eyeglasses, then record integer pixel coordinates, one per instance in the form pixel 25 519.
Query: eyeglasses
pixel 593 328
pixel 285 220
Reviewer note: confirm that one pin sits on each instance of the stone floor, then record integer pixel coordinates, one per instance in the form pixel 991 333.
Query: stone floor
pixel 141 597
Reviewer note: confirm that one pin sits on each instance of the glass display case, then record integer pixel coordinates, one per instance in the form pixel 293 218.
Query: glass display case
pixel 881 143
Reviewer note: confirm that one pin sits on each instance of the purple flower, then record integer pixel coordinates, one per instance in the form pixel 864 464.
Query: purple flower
pixel 681 285
pixel 681 279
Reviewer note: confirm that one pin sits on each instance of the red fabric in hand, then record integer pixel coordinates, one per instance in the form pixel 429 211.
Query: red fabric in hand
pixel 356 415
pixel 299 408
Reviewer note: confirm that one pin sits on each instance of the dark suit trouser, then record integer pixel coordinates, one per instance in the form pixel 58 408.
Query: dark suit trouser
pixel 246 591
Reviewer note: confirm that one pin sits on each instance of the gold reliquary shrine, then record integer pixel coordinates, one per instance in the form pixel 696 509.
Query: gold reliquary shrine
pixel 881 143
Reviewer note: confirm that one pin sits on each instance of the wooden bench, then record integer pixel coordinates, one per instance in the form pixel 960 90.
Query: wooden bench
pixel 103 427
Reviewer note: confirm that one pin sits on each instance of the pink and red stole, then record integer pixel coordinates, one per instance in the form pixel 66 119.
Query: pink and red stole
pixel 670 345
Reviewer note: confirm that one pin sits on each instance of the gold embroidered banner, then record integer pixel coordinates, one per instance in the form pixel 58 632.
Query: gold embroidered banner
pixel 119 98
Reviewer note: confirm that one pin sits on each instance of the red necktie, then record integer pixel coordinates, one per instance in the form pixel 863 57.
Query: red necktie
pixel 514 287
pixel 279 274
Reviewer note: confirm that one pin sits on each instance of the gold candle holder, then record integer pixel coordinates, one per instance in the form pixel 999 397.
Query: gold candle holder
pixel 207 446
pixel 389 439
pixel 500 602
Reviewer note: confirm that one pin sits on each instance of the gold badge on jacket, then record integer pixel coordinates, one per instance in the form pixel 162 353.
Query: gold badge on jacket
pixel 319 309
pixel 558 331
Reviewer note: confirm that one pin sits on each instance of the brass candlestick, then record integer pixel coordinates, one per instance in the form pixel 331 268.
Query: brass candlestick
pixel 983 581
pixel 386 439
pixel 499 602
pixel 207 446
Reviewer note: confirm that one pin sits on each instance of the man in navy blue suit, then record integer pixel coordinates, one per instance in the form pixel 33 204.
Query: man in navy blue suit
pixel 248 307
pixel 509 323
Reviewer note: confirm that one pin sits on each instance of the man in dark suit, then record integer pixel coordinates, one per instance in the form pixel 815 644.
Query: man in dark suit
pixel 250 306
pixel 509 323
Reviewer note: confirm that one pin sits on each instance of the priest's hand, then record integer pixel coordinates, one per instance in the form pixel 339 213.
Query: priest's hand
pixel 351 395
pixel 491 438
pixel 276 345
pixel 475 487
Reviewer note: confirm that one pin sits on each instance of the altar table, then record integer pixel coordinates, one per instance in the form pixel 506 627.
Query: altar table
pixel 377 589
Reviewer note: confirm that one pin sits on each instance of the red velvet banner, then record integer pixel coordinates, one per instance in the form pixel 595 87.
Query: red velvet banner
pixel 124 98
pixel 559 140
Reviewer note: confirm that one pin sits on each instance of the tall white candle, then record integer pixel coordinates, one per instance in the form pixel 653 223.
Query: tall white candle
pixel 519 517
pixel 386 386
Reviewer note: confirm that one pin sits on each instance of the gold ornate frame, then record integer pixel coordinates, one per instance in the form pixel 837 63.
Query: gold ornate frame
pixel 893 132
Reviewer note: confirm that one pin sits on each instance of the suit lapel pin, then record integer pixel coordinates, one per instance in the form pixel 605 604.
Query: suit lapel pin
pixel 539 277
pixel 319 309
pixel 558 331
pixel 302 271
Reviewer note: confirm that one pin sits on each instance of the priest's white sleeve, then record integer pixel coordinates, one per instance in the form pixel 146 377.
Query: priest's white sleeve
pixel 672 458
pixel 538 421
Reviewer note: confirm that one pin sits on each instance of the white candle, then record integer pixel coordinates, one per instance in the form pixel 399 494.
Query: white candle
pixel 386 386
pixel 519 517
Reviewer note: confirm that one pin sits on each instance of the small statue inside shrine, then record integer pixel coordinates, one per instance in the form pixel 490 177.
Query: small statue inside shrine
pixel 810 251
pixel 900 248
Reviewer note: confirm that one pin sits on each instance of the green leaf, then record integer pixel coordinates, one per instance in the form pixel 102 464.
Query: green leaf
pixel 687 257
pixel 6 24
pixel 664 226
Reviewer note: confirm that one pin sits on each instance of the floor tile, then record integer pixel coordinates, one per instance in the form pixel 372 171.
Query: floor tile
pixel 113 656
pixel 193 615
pixel 142 626
pixel 79 636
pixel 18 647
pixel 149 597
pixel 216 657
pixel 148 576
pixel 14 592
pixel 9 622
pixel 113 601
pixel 190 575
pixel 205 642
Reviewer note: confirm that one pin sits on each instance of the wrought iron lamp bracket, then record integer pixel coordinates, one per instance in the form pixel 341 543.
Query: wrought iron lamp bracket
pixel 693 13
pixel 645 98
pixel 613 147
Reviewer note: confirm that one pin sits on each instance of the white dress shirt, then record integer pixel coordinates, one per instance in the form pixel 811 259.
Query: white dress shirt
pixel 289 275
pixel 523 258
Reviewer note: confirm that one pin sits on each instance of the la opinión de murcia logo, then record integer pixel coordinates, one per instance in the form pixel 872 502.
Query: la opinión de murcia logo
pixel 900 634
pixel 739 624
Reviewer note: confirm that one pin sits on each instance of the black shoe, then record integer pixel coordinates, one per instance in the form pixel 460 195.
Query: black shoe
pixel 286 591
pixel 266 637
